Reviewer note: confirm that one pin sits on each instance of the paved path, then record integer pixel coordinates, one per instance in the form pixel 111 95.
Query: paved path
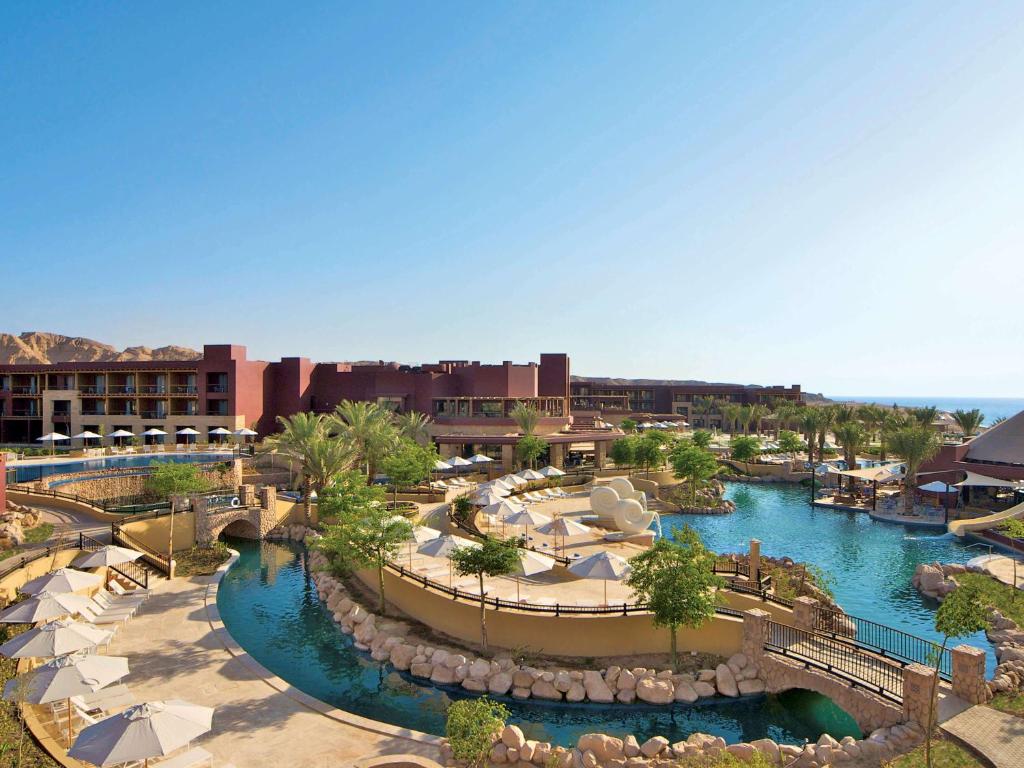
pixel 1002 567
pixel 994 734
pixel 174 652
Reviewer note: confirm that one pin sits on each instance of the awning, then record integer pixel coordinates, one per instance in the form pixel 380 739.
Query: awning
pixel 873 473
pixel 974 480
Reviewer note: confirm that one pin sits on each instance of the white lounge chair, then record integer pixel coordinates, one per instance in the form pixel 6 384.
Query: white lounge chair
pixel 116 587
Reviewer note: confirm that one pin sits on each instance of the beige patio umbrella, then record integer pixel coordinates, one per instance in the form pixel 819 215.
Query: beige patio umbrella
pixel 563 526
pixel 141 732
pixel 61 580
pixel 43 607
pixel 73 675
pixel 495 488
pixel 420 534
pixel 530 563
pixel 57 638
pixel 52 438
pixel 530 474
pixel 106 556
pixel 601 565
pixel 443 546
pixel 500 509
pixel 487 498
pixel 526 518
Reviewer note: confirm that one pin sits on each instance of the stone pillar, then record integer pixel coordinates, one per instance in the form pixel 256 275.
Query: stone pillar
pixel 268 499
pixel 755 633
pixel 754 561
pixel 204 534
pixel 804 611
pixel 969 674
pixel 236 472
pixel 917 687
pixel 508 458
pixel 557 455
pixel 600 454
pixel 247 495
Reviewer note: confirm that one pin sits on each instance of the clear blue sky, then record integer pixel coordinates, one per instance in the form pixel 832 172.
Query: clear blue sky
pixel 823 193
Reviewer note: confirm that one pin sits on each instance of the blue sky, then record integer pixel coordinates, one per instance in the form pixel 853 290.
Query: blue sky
pixel 820 193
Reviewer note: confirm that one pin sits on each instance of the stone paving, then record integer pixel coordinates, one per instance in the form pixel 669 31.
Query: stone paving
pixel 994 734
pixel 174 652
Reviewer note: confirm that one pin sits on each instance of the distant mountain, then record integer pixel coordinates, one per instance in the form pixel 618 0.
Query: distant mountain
pixel 810 397
pixel 39 347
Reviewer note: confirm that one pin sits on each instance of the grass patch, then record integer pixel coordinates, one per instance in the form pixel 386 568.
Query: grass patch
pixel 33 536
pixel 200 561
pixel 1010 703
pixel 945 754
pixel 1008 600
pixel 17 747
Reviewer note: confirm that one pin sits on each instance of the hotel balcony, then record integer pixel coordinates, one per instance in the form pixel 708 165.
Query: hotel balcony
pixel 184 389
pixel 23 389
pixel 90 389
pixel 121 389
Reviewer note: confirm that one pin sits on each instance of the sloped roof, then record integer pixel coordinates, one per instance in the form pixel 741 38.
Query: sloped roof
pixel 1003 444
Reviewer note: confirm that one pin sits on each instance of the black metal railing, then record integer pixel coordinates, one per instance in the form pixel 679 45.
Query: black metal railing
pixel 132 571
pixel 866 670
pixel 902 647
pixel 151 556
pixel 20 561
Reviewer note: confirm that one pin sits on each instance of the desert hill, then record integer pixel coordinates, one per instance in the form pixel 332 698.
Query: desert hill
pixel 39 347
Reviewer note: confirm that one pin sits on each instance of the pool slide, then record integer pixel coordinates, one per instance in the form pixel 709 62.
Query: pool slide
pixel 962 527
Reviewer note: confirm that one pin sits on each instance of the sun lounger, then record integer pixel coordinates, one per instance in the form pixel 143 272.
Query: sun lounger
pixel 195 757
pixel 101 617
pixel 116 587
pixel 109 604
pixel 105 700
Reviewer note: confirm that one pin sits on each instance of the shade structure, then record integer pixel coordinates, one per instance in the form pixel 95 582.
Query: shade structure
pixel 246 432
pixel 87 435
pixel 502 507
pixel 502 484
pixel 530 563
pixel 937 486
pixel 440 466
pixel 57 638
pixel 187 431
pixel 43 607
pixel 514 480
pixel 827 469
pixel 121 433
pixel 105 556
pixel 141 732
pixel 52 437
pixel 153 432
pixel 487 498
pixel 495 488
pixel 457 461
pixel 61 580
pixel 443 546
pixel 974 480
pixel 527 517
pixel 479 458
pixel 421 534
pixel 530 474
pixel 220 431
pixel 550 471
pixel 563 526
pixel 602 565
pixel 64 677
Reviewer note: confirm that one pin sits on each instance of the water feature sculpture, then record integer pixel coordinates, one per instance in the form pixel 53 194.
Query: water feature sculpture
pixel 620 504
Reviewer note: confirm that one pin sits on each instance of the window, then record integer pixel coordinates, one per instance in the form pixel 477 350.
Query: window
pixel 216 382
pixel 61 407
pixel 393 404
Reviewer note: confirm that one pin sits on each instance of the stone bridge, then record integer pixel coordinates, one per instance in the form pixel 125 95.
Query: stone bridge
pixel 249 520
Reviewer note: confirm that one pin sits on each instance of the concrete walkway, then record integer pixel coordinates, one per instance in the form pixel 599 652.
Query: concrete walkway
pixel 174 652
pixel 989 732
pixel 1002 567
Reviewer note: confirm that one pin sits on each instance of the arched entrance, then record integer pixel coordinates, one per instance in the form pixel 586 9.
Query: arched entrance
pixel 240 529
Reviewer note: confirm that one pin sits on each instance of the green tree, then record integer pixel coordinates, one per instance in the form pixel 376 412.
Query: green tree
pixel 915 444
pixel 525 416
pixel 648 451
pixel 694 464
pixel 850 435
pixel 790 442
pixel 962 613
pixel 368 429
pixel 628 426
pixel 413 425
pixel 494 557
pixel 530 448
pixel 744 448
pixel 676 581
pixel 704 407
pixel 925 415
pixel 969 421
pixel 755 413
pixel 810 423
pixel 623 451
pixel 408 463
pixel 366 533
pixel 175 479
pixel 732 414
pixel 471 726
pixel 892 421
pixel 701 438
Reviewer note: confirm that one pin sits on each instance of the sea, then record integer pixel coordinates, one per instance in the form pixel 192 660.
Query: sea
pixel 993 407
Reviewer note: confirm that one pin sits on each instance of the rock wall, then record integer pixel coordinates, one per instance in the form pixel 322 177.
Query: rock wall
pixel 13 521
pixel 120 483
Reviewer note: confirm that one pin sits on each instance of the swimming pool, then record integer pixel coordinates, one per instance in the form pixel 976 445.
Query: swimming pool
pixel 269 604
pixel 26 473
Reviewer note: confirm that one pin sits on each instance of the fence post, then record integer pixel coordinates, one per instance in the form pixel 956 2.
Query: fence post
pixel 755 634
pixel 917 687
pixel 968 665
pixel 805 611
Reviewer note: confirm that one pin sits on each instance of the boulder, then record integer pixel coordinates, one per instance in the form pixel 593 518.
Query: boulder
pixel 603 746
pixel 454 660
pixel 500 683
pixel 704 690
pixel 402 656
pixel 522 679
pixel 442 675
pixel 737 662
pixel 475 684
pixel 725 681
pixel 626 680
pixel 520 693
pixel 499 754
pixel 512 736
pixel 654 691
pixel 744 752
pixel 769 748
pixel 423 669
pixel 562 681
pixel 597 689
pixel 479 669
pixel 576 692
pixel 653 746
pixel 626 696
pixel 542 689
pixel 630 746
pixel 439 656
pixel 706 676
pixel 686 692
pixel 748 687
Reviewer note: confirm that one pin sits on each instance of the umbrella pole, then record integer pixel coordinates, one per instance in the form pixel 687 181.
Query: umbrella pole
pixel 606 591
pixel 517 589
pixel 70 731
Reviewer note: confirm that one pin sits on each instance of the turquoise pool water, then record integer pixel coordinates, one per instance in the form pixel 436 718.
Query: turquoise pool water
pixel 872 562
pixel 269 604
pixel 27 473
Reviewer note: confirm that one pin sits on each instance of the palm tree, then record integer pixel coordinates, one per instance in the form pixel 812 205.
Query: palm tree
pixel 525 416
pixel 1000 420
pixel 755 413
pixel 413 425
pixel 785 413
pixel 925 415
pixel 827 417
pixel 810 423
pixel 871 416
pixel 891 422
pixel 915 444
pixel 850 435
pixel 304 439
pixel 368 429
pixel 704 406
pixel 969 421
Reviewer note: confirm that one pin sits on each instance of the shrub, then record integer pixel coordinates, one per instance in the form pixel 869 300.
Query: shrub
pixel 471 727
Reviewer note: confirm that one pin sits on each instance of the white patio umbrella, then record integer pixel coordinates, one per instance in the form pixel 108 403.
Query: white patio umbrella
pixel 61 580
pixel 420 534
pixel 443 546
pixel 141 732
pixel 87 435
pixel 457 461
pixel 495 488
pixel 514 480
pixel 500 509
pixel 187 432
pixel 441 466
pixel 602 565
pixel 530 474
pixel 487 498
pixel 246 432
pixel 526 518
pixel 57 638
pixel 220 432
pixel 550 471
pixel 44 606
pixel 64 677
pixel 120 434
pixel 502 484
pixel 530 563
pixel 52 438
pixel 154 432
pixel 105 556
pixel 563 526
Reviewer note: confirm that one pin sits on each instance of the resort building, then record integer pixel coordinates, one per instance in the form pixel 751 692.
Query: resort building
pixel 996 453
pixel 614 402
